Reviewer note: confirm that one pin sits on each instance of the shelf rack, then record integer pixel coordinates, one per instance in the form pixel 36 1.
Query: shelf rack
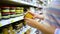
pixel 12 20
pixel 9 21
pixel 19 3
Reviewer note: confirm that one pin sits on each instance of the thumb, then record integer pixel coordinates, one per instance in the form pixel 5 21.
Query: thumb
pixel 27 19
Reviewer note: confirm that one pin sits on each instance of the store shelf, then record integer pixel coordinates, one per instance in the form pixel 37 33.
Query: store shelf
pixel 24 29
pixel 33 30
pixel 19 2
pixel 9 21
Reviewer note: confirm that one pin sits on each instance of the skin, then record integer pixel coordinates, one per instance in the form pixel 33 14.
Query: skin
pixel 33 23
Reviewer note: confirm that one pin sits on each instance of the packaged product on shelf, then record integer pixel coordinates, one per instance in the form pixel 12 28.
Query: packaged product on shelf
pixel 29 1
pixel 17 11
pixel 5 12
pixel 28 15
pixel 28 31
pixel 24 23
pixel 17 27
pixel 11 30
pixel 20 25
pixel 25 10
pixel 5 31
pixel 12 12
pixel 21 10
pixel 10 27
pixel 25 0
pixel 0 14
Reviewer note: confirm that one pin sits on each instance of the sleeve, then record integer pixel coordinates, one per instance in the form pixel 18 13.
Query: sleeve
pixel 57 31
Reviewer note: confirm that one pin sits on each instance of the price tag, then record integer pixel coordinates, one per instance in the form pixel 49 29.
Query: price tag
pixel 12 21
pixel 19 18
pixel 0 25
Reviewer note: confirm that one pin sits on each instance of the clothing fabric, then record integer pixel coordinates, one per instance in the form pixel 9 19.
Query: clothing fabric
pixel 53 15
pixel 57 31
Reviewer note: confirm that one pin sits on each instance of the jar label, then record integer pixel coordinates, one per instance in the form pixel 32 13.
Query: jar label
pixel 5 11
pixel 6 16
pixel 17 11
pixel 12 10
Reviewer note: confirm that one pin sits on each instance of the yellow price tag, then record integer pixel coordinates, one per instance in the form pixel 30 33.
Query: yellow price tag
pixel 22 32
pixel 12 21
pixel 0 25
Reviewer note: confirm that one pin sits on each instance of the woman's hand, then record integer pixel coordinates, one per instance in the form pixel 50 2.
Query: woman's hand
pixel 37 16
pixel 35 24
pixel 31 22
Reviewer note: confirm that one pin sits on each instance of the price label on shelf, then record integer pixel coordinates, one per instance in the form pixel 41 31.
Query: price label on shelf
pixel 19 18
pixel 12 21
pixel 0 25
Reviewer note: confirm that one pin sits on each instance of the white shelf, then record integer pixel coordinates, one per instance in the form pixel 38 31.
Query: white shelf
pixel 9 21
pixel 33 30
pixel 19 2
pixel 24 29
pixel 26 3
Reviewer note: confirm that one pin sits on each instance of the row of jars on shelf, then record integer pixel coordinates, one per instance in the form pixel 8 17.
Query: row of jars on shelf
pixel 13 28
pixel 10 12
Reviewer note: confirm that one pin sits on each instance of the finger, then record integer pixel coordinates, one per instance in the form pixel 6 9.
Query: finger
pixel 34 17
pixel 25 18
pixel 28 19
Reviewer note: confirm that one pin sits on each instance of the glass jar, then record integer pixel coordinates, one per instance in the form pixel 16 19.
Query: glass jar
pixel 17 11
pixel 5 13
pixel 12 12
